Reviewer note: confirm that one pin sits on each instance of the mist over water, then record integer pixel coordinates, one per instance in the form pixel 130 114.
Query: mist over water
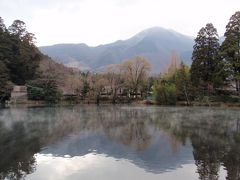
pixel 119 142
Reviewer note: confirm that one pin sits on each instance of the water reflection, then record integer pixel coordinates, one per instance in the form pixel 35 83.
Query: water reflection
pixel 214 134
pixel 154 139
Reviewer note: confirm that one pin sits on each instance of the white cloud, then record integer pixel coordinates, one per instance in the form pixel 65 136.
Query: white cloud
pixel 97 22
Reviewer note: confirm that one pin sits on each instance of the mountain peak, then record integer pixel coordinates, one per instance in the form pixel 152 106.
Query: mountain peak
pixel 156 44
pixel 157 31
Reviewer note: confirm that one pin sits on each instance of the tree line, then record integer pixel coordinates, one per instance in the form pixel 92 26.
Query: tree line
pixel 21 63
pixel 214 72
pixel 19 57
pixel 115 83
pixel 216 65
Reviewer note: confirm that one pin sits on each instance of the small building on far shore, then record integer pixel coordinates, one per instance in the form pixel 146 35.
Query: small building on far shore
pixel 19 94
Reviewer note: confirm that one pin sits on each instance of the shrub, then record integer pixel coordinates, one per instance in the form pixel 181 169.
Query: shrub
pixel 165 94
pixel 43 89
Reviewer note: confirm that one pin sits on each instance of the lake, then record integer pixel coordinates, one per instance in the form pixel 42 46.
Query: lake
pixel 119 143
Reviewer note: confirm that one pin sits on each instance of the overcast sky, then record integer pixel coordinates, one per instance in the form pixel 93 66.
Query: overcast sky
pixel 97 22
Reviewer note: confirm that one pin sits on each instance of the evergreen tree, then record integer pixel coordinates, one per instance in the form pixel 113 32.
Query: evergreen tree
pixel 2 25
pixel 4 57
pixel 4 84
pixel 45 89
pixel 85 89
pixel 25 56
pixel 86 86
pixel 5 44
pixel 230 49
pixel 205 58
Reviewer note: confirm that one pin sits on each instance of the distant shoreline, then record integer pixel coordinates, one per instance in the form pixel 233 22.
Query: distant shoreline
pixel 30 103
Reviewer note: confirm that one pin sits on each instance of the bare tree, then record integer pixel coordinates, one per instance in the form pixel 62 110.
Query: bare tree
pixel 114 79
pixel 97 85
pixel 135 73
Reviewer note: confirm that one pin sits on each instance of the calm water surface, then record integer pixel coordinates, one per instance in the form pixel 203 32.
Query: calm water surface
pixel 120 143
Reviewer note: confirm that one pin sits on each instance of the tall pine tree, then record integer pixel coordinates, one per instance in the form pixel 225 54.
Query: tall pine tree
pixel 5 47
pixel 205 58
pixel 25 56
pixel 230 49
pixel 4 58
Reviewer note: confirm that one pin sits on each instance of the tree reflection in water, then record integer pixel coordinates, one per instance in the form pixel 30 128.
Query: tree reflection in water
pixel 17 150
pixel 213 133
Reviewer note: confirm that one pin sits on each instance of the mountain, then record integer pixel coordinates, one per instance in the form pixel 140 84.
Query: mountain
pixel 156 44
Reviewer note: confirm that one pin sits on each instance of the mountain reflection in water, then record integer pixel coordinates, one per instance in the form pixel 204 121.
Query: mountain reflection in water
pixel 157 140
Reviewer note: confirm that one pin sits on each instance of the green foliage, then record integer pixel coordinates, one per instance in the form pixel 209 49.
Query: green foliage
pixel 18 52
pixel 185 89
pixel 205 65
pixel 43 89
pixel 230 49
pixel 26 56
pixel 225 98
pixel 165 93
pixel 19 57
pixel 6 53
pixel 35 90
pixel 85 90
pixel 4 83
pixel 175 86
pixel 86 85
